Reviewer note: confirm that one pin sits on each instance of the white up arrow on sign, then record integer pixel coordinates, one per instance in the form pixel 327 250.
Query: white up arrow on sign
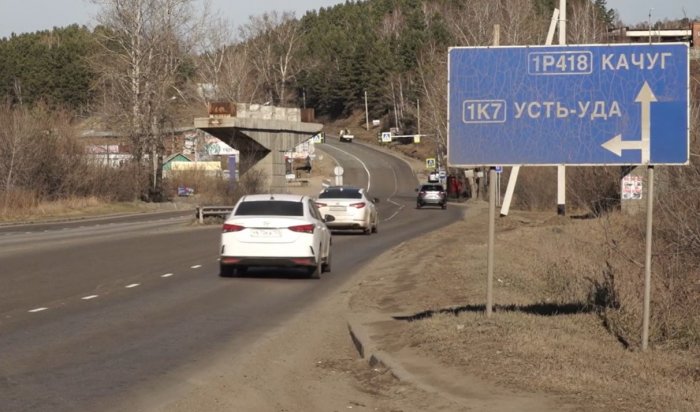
pixel 617 145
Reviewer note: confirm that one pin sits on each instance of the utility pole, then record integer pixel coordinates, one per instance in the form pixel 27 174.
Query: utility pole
pixel 561 169
pixel 418 114
pixel 366 112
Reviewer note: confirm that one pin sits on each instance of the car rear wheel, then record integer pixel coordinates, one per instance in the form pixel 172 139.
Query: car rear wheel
pixel 326 266
pixel 315 271
pixel 226 271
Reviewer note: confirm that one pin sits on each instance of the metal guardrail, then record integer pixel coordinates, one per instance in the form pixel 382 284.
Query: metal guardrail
pixel 213 211
pixel 298 182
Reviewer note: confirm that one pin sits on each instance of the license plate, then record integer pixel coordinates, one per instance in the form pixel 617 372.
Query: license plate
pixel 337 208
pixel 264 233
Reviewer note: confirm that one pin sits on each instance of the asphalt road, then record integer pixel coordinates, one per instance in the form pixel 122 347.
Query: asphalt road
pixel 94 312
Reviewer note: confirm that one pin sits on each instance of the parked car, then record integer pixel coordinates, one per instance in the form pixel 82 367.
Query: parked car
pixel 431 194
pixel 275 230
pixel 351 208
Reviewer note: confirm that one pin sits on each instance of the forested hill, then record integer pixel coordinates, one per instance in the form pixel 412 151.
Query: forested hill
pixel 386 47
pixel 49 66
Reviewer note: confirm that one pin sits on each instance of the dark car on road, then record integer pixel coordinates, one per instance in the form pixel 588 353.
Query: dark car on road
pixel 431 194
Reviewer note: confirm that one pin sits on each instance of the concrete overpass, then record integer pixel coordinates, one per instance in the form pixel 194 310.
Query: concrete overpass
pixel 262 134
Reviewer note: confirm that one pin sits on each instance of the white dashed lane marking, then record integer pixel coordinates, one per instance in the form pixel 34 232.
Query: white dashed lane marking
pixel 130 286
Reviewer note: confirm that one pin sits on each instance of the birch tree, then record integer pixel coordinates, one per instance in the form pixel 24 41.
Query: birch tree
pixel 16 146
pixel 273 41
pixel 224 68
pixel 144 45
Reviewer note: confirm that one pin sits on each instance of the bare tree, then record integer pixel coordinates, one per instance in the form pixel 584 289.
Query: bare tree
pixel 273 41
pixel 585 24
pixel 433 79
pixel 224 70
pixel 472 23
pixel 144 43
pixel 15 149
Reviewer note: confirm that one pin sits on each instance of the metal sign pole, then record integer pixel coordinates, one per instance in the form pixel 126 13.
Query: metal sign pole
pixel 492 236
pixel 647 262
pixel 492 212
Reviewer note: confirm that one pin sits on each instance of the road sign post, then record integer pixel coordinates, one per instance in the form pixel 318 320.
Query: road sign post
pixel 583 105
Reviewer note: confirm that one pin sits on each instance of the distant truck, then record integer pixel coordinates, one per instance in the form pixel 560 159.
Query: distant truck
pixel 345 136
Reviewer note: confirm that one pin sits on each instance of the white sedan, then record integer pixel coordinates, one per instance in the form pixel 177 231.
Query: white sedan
pixel 350 207
pixel 275 230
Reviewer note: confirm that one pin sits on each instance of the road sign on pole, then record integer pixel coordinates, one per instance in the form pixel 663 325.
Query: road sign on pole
pixel 617 104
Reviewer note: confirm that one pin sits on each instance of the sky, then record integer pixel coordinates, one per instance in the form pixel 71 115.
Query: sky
pixel 22 16
pixel 636 11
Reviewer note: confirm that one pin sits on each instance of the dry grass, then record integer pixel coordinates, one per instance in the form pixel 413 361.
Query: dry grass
pixel 547 334
pixel 33 210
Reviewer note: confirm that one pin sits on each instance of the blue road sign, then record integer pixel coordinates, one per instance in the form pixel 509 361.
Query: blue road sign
pixel 617 104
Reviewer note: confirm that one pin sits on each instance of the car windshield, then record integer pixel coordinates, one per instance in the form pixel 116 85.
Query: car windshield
pixel 270 208
pixel 431 188
pixel 340 194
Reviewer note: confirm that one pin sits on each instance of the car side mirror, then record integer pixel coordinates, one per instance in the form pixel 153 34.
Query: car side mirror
pixel 329 218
